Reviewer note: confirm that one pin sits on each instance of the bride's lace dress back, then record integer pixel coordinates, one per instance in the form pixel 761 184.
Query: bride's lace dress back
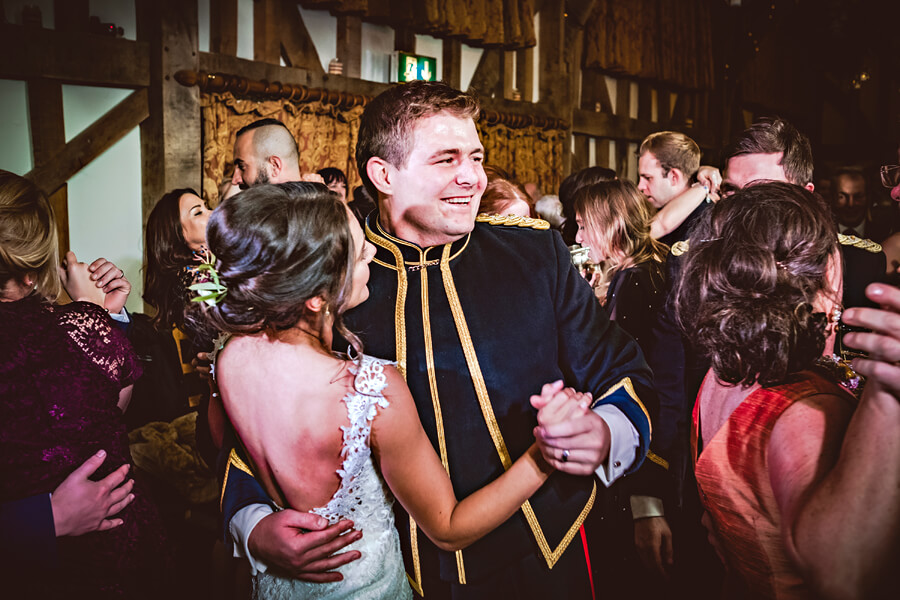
pixel 364 499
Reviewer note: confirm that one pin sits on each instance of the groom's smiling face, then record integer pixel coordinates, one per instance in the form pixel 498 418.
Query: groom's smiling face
pixel 433 197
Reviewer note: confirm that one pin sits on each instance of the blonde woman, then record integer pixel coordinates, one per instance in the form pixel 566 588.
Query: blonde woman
pixel 614 222
pixel 66 379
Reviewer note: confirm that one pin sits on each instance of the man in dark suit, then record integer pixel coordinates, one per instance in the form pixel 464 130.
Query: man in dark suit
pixel 773 150
pixel 479 313
pixel 851 205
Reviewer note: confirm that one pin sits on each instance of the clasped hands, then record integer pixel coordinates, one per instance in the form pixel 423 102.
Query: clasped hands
pixel 100 282
pixel 572 438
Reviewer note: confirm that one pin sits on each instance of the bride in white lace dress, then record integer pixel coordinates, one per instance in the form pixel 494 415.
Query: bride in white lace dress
pixel 325 433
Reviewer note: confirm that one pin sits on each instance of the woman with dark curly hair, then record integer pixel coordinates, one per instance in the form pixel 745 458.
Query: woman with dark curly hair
pixel 175 243
pixel 176 232
pixel 786 457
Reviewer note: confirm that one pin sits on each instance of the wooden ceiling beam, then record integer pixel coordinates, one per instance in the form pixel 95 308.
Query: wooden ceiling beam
pixel 620 127
pixel 73 57
pixel 296 44
pixel 92 142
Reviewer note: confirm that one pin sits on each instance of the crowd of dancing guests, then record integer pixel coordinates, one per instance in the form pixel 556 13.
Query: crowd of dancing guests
pixel 772 471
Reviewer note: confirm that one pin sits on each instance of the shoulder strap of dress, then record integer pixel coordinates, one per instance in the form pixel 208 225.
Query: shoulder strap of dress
pixel 370 378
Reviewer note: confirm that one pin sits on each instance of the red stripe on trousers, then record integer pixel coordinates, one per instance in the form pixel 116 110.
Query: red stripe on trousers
pixel 587 560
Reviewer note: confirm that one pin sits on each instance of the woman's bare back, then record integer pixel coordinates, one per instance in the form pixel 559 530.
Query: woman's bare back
pixel 284 398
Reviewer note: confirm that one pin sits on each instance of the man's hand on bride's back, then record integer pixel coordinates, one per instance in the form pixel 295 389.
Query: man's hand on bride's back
pixel 302 545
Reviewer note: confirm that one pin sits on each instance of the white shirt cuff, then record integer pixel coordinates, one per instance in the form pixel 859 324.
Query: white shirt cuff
pixel 643 507
pixel 623 444
pixel 240 527
pixel 121 316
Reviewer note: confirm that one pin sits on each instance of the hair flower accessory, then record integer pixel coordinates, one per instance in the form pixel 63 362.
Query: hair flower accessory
pixel 207 284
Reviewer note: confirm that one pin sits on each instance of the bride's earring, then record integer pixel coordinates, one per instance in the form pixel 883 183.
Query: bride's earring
pixel 835 316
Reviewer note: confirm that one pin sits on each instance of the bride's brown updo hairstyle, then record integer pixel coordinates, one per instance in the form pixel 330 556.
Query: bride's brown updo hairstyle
pixel 277 246
pixel 755 265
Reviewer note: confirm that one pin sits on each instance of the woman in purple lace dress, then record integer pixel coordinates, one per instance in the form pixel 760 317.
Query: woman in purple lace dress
pixel 65 378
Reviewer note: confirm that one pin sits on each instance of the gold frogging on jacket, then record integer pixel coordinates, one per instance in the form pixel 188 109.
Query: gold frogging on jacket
pixel 403 270
pixel 679 248
pixel 233 461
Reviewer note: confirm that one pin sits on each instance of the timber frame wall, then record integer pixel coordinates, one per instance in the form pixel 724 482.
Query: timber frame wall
pixel 169 113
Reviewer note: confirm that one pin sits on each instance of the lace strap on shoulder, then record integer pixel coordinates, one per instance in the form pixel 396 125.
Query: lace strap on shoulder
pixel 369 383
pixel 370 378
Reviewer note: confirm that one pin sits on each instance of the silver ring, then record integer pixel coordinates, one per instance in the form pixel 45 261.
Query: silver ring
pixel 565 456
pixel 121 273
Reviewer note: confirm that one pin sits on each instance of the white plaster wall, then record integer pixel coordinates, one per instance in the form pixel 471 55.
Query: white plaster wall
pixel 469 62
pixel 105 196
pixel 203 25
pixel 13 11
pixel 377 45
pixel 15 151
pixel 245 29
pixel 322 28
pixel 118 12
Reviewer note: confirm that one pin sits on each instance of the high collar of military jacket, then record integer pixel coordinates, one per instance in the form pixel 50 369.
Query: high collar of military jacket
pixel 391 251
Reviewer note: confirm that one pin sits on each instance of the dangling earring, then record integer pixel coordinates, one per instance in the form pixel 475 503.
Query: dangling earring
pixel 327 311
pixel 835 316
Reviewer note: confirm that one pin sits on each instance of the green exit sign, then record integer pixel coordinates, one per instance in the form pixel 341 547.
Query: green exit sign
pixel 411 67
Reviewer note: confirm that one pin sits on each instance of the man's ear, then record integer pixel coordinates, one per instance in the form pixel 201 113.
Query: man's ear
pixel 810 186
pixel 676 177
pixel 276 165
pixel 380 173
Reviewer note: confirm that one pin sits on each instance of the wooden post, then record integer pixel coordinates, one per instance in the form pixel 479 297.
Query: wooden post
pixel 553 81
pixel 622 159
pixel 70 15
pixel 349 44
pixel 266 41
pixel 405 40
pixel 451 69
pixel 508 66
pixel 602 152
pixel 488 77
pixel 581 156
pixel 594 92
pixel 48 138
pixel 223 27
pixel 664 107
pixel 170 137
pixel 299 49
pixel 645 102
pixel 525 73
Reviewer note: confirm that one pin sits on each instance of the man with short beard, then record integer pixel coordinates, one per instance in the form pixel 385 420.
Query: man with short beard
pixel 265 152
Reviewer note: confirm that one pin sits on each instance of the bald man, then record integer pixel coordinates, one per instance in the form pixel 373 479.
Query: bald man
pixel 265 152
